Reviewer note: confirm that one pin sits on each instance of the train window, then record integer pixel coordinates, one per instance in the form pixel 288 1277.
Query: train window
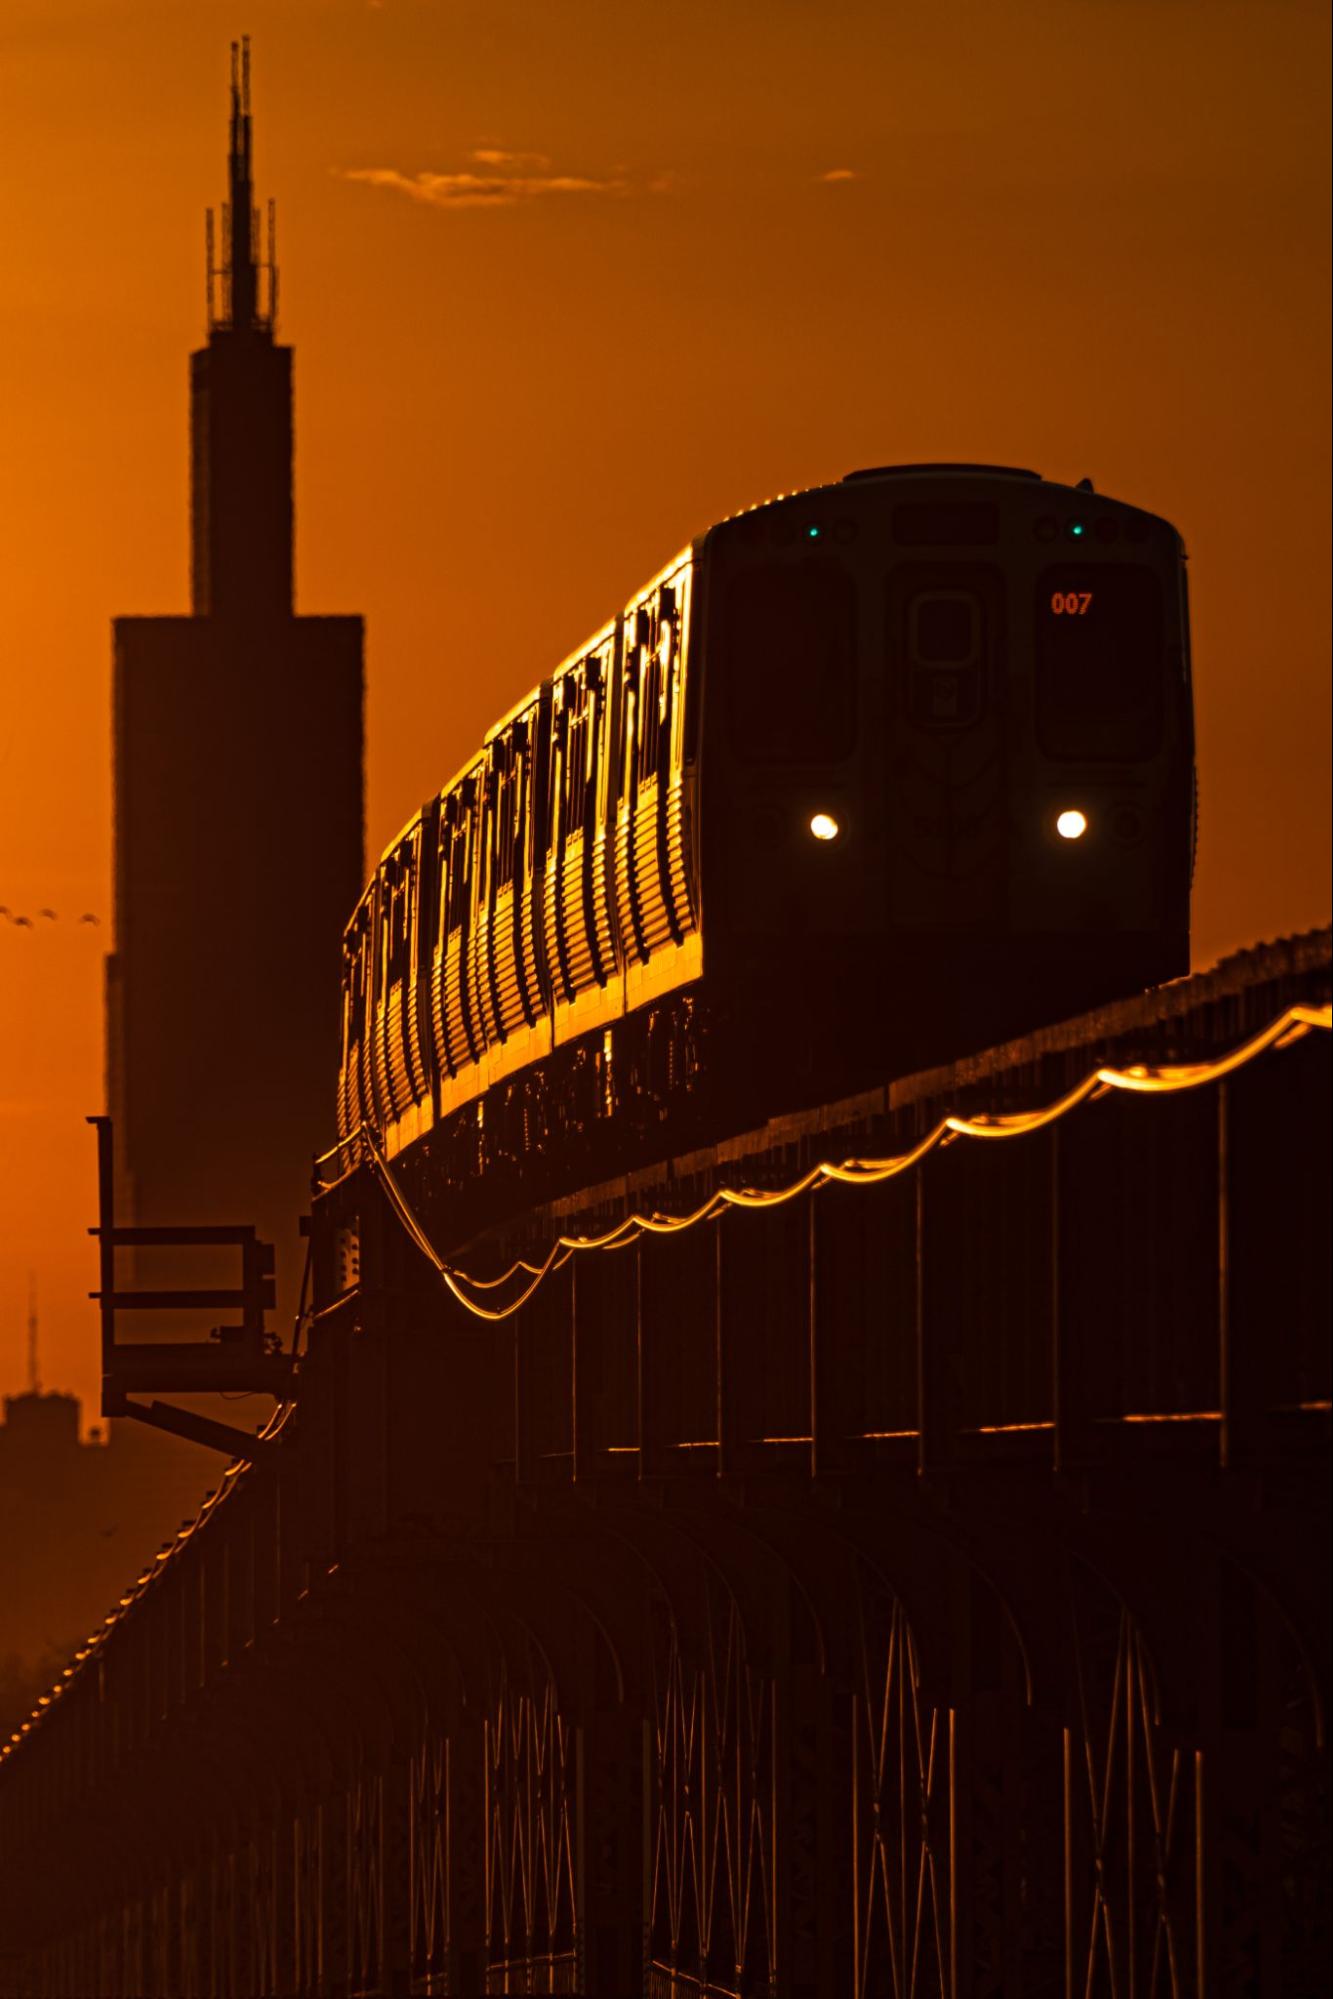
pixel 945 628
pixel 356 986
pixel 458 893
pixel 397 918
pixel 626 706
pixel 652 689
pixel 577 774
pixel 789 638
pixel 944 621
pixel 650 714
pixel 563 796
pixel 1099 661
pixel 504 808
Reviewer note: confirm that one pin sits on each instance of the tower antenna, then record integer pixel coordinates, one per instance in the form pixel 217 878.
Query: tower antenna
pixel 34 1371
pixel 241 304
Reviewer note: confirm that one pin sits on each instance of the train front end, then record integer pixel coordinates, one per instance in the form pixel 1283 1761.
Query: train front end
pixel 947 763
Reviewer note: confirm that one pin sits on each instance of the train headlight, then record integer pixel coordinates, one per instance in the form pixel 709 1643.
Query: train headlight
pixel 1071 824
pixel 823 826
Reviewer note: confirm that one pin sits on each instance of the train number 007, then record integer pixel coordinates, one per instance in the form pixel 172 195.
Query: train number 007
pixel 1071 603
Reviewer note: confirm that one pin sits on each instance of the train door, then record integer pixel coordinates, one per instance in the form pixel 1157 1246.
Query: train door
pixel 403 934
pixel 656 889
pixel 947 756
pixel 506 940
pixel 530 864
pixel 578 913
pixel 353 1093
pixel 393 927
pixel 459 1039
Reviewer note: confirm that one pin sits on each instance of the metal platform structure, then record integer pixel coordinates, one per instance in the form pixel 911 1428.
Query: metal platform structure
pixel 884 1553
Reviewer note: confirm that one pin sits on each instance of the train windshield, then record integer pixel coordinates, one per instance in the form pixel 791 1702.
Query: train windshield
pixel 790 662
pixel 1099 662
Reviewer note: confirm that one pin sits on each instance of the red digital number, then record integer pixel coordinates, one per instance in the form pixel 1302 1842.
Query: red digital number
pixel 1071 603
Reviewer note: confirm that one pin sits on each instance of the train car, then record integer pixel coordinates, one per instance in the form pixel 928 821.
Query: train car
pixel 867 777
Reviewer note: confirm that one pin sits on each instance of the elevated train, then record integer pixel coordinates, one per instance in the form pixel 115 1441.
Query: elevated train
pixel 865 778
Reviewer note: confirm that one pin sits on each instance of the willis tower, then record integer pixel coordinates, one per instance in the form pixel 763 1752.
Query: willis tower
pixel 238 802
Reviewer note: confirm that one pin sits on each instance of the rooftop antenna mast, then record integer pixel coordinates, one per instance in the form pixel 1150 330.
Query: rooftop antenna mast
pixel 34 1372
pixel 235 305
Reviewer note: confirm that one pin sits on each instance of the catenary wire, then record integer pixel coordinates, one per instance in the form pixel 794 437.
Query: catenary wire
pixel 1139 1079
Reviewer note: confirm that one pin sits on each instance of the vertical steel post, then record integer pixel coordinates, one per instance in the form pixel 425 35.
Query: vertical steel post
pixel 953 1852
pixel 817 1454
pixel 519 1437
pixel 1061 1383
pixel 1200 1878
pixel 722 1396
pixel 924 1412
pixel 575 1452
pixel 1068 1816
pixel 1226 1370
pixel 640 1366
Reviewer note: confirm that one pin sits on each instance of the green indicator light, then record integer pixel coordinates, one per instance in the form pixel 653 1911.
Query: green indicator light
pixel 1077 529
pixel 813 533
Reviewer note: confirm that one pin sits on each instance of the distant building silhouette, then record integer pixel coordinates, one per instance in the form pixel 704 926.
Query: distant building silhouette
pixel 238 803
pixel 77 1520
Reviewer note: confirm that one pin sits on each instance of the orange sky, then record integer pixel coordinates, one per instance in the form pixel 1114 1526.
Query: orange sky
pixel 710 253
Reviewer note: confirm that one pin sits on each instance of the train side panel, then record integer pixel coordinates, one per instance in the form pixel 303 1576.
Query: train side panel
pixel 948 767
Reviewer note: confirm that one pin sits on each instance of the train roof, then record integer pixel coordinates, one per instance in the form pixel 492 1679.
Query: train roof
pixel 664 575
pixel 582 652
pixel 510 716
pixel 940 468
pixel 943 470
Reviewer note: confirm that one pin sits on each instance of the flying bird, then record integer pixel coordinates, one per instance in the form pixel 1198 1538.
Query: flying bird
pixel 23 923
pixel 49 914
pixel 88 917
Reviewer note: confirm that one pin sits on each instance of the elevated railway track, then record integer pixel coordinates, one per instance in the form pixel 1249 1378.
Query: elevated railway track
pixel 883 1553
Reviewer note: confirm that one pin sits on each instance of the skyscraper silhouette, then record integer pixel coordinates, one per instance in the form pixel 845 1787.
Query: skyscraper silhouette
pixel 238 802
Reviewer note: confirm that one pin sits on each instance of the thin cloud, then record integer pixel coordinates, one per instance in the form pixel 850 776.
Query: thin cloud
pixel 834 174
pixel 494 156
pixel 495 178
